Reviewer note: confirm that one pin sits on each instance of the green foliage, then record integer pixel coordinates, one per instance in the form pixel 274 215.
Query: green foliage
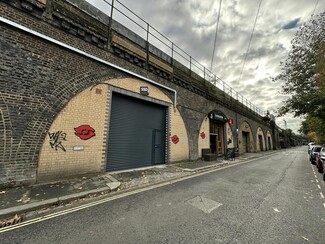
pixel 303 77
pixel 291 134
pixel 303 72
pixel 314 128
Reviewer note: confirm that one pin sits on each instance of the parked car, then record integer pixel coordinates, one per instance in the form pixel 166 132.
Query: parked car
pixel 319 161
pixel 310 146
pixel 314 152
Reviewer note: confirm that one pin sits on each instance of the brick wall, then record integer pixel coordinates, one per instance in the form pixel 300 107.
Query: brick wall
pixel 204 133
pixel 63 152
pixel 179 149
pixel 39 79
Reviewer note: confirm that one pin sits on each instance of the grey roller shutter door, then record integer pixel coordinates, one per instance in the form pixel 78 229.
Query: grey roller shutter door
pixel 137 133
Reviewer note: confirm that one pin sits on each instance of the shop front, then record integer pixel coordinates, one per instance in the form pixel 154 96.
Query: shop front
pixel 217 121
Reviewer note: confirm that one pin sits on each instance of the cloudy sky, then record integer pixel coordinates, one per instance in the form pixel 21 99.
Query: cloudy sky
pixel 191 25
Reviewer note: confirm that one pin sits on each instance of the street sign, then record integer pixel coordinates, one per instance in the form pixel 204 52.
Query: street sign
pixel 144 90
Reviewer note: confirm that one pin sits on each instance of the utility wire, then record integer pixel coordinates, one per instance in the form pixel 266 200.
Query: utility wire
pixel 250 40
pixel 215 37
pixel 315 7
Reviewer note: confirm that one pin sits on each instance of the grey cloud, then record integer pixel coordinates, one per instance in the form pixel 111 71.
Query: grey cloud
pixel 191 25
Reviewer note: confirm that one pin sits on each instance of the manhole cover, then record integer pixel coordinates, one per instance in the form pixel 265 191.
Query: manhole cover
pixel 204 204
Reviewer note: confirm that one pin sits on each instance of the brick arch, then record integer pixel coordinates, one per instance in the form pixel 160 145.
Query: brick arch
pixel 246 127
pixel 51 106
pixel 92 158
pixel 231 136
pixel 269 143
pixel 198 125
pixel 6 131
pixel 259 131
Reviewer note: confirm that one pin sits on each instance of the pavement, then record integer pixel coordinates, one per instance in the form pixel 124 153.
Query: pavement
pixel 16 202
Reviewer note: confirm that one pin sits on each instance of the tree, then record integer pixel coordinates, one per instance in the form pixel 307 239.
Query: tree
pixel 303 77
pixel 314 128
pixel 303 72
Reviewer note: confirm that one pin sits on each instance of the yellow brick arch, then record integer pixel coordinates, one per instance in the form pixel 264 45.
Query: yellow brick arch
pixel 65 154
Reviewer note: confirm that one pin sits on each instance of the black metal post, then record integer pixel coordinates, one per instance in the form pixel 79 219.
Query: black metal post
pixel 190 66
pixel 237 145
pixel 172 62
pixel 110 21
pixel 147 47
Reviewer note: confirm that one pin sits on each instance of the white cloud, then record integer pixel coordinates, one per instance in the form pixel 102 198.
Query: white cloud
pixel 191 24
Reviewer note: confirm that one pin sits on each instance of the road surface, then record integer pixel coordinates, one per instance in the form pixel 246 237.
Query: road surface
pixel 275 199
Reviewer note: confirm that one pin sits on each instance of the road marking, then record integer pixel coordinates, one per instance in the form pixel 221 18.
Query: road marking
pixel 204 204
pixel 321 194
pixel 276 210
pixel 305 238
pixel 121 195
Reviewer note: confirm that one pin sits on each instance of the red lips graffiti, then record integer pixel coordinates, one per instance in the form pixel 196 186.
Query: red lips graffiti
pixel 84 132
pixel 175 139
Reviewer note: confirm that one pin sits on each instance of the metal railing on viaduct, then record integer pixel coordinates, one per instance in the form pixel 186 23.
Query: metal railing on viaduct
pixel 153 37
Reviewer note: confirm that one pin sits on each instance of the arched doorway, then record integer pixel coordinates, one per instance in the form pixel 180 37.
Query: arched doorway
pixel 269 141
pixel 245 138
pixel 217 122
pixel 260 140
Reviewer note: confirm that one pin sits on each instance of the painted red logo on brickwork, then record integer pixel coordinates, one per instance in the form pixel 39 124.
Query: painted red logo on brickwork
pixel 202 135
pixel 175 139
pixel 84 132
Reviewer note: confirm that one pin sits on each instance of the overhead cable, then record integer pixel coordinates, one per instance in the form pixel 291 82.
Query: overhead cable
pixel 315 7
pixel 215 37
pixel 250 40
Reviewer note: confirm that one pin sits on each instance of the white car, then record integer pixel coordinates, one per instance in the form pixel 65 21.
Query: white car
pixel 315 149
pixel 310 146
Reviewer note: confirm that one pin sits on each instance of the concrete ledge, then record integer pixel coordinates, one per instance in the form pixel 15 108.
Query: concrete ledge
pixel 211 166
pixel 8 212
pixel 82 194
pixel 120 41
pixel 160 64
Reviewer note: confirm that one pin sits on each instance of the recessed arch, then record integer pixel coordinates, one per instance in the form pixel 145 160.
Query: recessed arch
pixel 245 138
pixel 269 141
pixel 260 140
pixel 63 153
pixel 217 128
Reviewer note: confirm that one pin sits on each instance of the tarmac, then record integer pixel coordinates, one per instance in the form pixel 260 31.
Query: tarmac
pixel 16 202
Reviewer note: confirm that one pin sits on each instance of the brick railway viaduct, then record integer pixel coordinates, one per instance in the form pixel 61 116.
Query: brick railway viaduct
pixel 83 94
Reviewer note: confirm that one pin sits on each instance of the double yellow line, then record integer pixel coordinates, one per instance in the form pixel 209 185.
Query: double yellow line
pixel 114 197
